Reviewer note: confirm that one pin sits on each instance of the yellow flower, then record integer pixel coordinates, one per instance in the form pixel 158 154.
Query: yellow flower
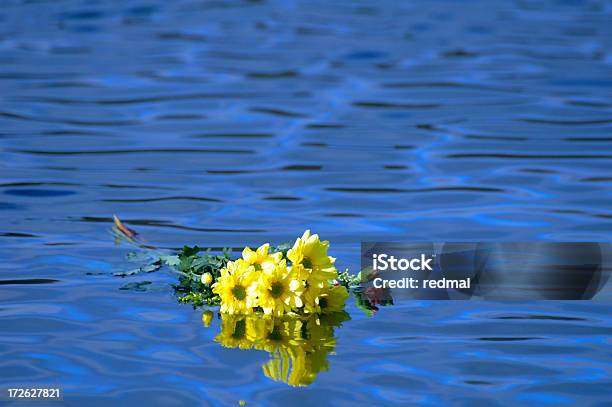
pixel 257 256
pixel 310 260
pixel 316 276
pixel 234 287
pixel 206 278
pixel 309 251
pixel 260 256
pixel 262 280
pixel 326 299
pixel 278 291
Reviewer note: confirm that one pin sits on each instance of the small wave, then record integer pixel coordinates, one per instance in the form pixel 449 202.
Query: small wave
pixel 273 75
pixel 589 139
pixel 565 122
pixel 234 135
pixel 508 339
pixel 140 151
pixel 32 192
pixel 389 105
pixel 413 190
pixel 17 234
pixel 474 86
pixel 277 112
pixel 29 281
pixel 531 156
pixel 166 198
pixel 541 317
pixel 500 138
pixel 281 198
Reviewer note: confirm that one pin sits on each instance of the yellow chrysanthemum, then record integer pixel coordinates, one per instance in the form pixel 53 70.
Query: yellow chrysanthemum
pixel 326 299
pixel 260 256
pixel 277 289
pixel 316 276
pixel 310 260
pixel 309 251
pixel 310 298
pixel 234 287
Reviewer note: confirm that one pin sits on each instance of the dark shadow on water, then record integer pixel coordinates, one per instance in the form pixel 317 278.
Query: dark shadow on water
pixel 29 281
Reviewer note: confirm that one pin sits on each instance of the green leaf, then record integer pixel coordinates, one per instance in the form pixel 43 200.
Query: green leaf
pixel 283 248
pixel 189 251
pixel 151 267
pixel 170 260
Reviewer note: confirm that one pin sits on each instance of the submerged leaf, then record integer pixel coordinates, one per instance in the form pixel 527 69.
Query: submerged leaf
pixel 147 268
pixel 136 286
pixel 170 260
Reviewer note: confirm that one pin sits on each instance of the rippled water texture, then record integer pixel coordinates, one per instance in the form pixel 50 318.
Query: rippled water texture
pixel 225 123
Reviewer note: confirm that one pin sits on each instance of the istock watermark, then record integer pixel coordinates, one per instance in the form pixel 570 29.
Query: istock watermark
pixel 489 270
pixel 384 262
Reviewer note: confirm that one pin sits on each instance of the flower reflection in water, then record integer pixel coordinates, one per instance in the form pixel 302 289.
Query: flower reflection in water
pixel 298 345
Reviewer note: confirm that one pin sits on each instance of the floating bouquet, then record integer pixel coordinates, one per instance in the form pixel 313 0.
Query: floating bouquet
pixel 285 300
pixel 262 280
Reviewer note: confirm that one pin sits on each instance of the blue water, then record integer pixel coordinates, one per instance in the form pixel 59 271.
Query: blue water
pixel 226 123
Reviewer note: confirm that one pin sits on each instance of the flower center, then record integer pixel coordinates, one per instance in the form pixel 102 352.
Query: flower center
pixel 307 263
pixel 257 267
pixel 239 292
pixel 276 289
pixel 323 302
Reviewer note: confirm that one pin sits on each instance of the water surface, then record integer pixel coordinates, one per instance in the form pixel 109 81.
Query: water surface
pixel 226 123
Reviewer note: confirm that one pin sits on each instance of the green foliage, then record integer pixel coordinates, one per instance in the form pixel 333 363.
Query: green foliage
pixel 283 248
pixel 370 301
pixel 196 299
pixel 190 263
pixel 349 280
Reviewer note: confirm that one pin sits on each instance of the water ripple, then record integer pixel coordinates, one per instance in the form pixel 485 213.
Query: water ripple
pixel 224 124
